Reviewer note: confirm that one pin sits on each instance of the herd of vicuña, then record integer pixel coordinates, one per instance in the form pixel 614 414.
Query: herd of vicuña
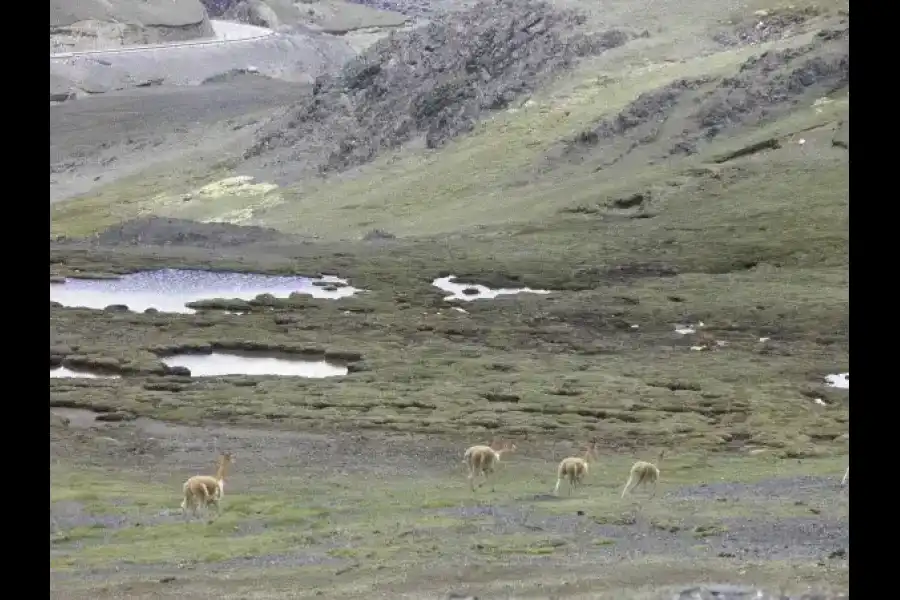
pixel 204 491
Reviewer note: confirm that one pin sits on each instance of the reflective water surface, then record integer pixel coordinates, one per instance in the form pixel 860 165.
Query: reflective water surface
pixel 168 290
pixel 456 290
pixel 220 363
pixel 66 372
pixel 839 380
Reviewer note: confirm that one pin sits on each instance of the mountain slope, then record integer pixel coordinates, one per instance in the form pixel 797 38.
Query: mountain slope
pixel 99 24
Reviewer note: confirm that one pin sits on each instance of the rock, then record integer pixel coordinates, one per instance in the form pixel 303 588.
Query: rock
pixel 471 291
pixel 631 201
pixel 176 371
pixel 114 417
pixel 432 83
pixel 343 356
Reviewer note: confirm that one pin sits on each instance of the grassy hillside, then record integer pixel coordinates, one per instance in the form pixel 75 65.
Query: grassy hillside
pixel 649 187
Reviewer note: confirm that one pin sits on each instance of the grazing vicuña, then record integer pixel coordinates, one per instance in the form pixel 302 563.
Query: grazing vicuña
pixel 206 490
pixel 643 473
pixel 482 459
pixel 574 468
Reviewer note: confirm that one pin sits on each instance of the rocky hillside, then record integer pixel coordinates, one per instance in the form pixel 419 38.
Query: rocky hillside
pixel 96 24
pixel 329 16
pixel 686 115
pixel 281 9
pixel 426 85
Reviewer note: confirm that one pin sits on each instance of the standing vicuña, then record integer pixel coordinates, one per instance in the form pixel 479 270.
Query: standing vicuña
pixel 206 490
pixel 643 473
pixel 575 468
pixel 482 459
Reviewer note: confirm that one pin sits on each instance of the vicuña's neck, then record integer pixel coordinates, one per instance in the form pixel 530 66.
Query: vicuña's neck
pixel 220 473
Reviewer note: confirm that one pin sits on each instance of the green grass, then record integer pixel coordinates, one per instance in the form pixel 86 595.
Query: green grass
pixel 760 246
pixel 630 386
pixel 394 518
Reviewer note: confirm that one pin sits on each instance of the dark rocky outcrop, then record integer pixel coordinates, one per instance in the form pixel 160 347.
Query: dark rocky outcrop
pixel 163 231
pixel 688 113
pixel 428 85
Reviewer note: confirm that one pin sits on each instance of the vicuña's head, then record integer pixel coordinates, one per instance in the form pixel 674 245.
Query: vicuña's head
pixel 227 458
pixel 662 453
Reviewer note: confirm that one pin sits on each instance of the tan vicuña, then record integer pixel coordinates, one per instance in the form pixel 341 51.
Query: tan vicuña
pixel 481 459
pixel 574 468
pixel 643 473
pixel 206 490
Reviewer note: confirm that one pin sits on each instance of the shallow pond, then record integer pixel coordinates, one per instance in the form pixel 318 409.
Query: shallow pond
pixel 470 291
pixel 221 363
pixel 839 380
pixel 169 290
pixel 66 372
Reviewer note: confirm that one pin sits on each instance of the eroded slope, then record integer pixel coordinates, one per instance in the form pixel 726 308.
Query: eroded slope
pixel 95 24
pixel 428 85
